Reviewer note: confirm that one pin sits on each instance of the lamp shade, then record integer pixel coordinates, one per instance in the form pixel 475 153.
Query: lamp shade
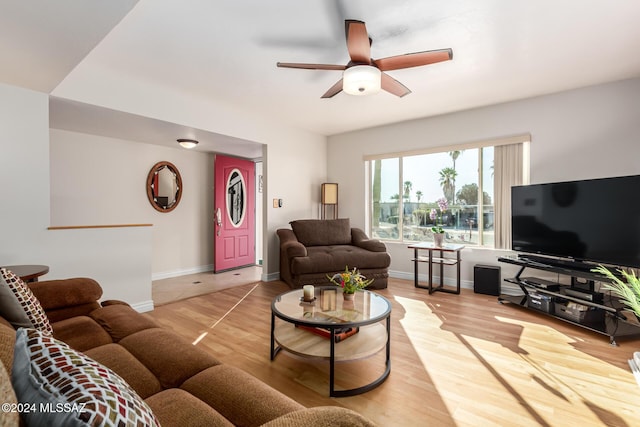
pixel 329 193
pixel 361 80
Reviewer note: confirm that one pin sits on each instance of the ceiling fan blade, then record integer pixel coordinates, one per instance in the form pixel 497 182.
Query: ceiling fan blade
pixel 334 90
pixel 311 66
pixel 415 59
pixel 393 86
pixel 358 42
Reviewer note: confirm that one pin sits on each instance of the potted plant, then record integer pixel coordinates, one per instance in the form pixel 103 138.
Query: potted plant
pixel 628 290
pixel 438 231
pixel 350 282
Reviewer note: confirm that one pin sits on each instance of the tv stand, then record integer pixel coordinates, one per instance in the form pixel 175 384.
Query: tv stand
pixel 578 303
pixel 557 262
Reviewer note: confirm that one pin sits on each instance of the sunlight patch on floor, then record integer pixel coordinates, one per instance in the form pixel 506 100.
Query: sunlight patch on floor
pixel 553 370
pixel 538 381
pixel 204 334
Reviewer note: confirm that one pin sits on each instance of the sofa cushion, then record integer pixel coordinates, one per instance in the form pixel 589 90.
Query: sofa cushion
pixel 321 416
pixel 175 407
pixel 228 389
pixel 171 358
pixel 58 294
pixel 59 314
pixel 331 259
pixel 7 343
pixel 19 305
pixel 320 232
pixel 81 333
pixel 7 396
pixel 120 361
pixel 121 320
pixel 47 371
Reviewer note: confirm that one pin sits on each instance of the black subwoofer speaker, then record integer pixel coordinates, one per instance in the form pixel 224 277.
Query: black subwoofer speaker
pixel 486 279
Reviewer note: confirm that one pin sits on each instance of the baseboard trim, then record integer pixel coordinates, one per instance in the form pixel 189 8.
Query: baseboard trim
pixel 183 272
pixel 448 281
pixel 270 277
pixel 143 306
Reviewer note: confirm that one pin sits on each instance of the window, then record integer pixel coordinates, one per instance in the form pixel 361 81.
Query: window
pixel 409 192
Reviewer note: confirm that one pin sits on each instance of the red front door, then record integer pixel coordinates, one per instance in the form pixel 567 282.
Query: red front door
pixel 234 241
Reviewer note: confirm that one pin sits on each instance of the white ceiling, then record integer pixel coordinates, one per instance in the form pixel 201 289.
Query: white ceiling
pixel 227 51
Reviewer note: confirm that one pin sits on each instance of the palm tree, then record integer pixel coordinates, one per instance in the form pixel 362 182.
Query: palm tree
pixel 377 172
pixel 408 185
pixel 454 156
pixel 447 182
pixel 419 195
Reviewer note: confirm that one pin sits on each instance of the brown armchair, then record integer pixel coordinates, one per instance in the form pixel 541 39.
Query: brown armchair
pixel 313 248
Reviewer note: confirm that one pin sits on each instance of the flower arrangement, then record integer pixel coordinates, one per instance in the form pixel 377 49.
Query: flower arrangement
pixel 443 205
pixel 350 281
pixel 628 292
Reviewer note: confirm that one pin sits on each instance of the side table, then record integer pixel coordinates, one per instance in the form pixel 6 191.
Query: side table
pixel 28 273
pixel 441 259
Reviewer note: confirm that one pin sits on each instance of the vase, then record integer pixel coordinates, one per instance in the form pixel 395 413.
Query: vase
pixel 348 297
pixel 438 239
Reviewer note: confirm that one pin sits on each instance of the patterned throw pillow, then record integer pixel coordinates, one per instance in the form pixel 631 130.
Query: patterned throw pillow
pixel 67 388
pixel 19 305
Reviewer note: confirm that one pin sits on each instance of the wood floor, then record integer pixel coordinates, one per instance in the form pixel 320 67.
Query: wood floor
pixel 462 360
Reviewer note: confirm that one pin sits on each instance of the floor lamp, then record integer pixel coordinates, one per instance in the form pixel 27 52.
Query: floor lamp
pixel 329 198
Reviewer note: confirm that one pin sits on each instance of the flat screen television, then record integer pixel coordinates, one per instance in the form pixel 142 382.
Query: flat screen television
pixel 596 220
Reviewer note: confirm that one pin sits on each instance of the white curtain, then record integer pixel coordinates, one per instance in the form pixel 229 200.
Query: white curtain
pixel 510 167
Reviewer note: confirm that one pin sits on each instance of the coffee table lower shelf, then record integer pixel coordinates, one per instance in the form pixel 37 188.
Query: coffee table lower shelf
pixel 370 340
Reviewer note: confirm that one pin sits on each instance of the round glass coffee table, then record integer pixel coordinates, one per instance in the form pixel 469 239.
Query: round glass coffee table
pixel 333 329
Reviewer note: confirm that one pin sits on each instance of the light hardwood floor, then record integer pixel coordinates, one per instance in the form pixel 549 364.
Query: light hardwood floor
pixel 462 360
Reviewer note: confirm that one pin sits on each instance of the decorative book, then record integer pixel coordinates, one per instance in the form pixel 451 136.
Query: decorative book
pixel 340 334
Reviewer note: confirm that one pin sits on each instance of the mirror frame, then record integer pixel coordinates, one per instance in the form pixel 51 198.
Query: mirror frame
pixel 150 178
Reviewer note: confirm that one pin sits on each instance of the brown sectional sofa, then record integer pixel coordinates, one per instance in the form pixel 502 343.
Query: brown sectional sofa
pixel 181 383
pixel 313 248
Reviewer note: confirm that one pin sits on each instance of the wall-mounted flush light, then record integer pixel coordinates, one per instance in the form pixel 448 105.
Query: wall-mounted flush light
pixel 187 143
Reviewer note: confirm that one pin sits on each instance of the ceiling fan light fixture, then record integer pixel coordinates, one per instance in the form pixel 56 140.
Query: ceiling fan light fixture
pixel 361 80
pixel 187 143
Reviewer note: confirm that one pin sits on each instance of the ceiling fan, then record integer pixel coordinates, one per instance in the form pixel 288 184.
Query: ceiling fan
pixel 364 75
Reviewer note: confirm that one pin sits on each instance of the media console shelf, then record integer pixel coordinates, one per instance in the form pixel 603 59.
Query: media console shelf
pixel 579 305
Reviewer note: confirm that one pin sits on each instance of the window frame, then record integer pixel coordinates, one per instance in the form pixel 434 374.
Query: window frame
pixel 524 139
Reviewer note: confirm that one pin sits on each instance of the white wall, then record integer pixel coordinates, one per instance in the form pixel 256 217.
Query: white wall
pixel 24 174
pixel 586 133
pixel 294 166
pixel 295 171
pixel 88 189
pixel 97 180
pixel 119 259
pixel 294 162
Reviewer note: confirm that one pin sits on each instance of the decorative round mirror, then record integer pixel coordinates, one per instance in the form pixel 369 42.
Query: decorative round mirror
pixel 164 186
pixel 236 198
